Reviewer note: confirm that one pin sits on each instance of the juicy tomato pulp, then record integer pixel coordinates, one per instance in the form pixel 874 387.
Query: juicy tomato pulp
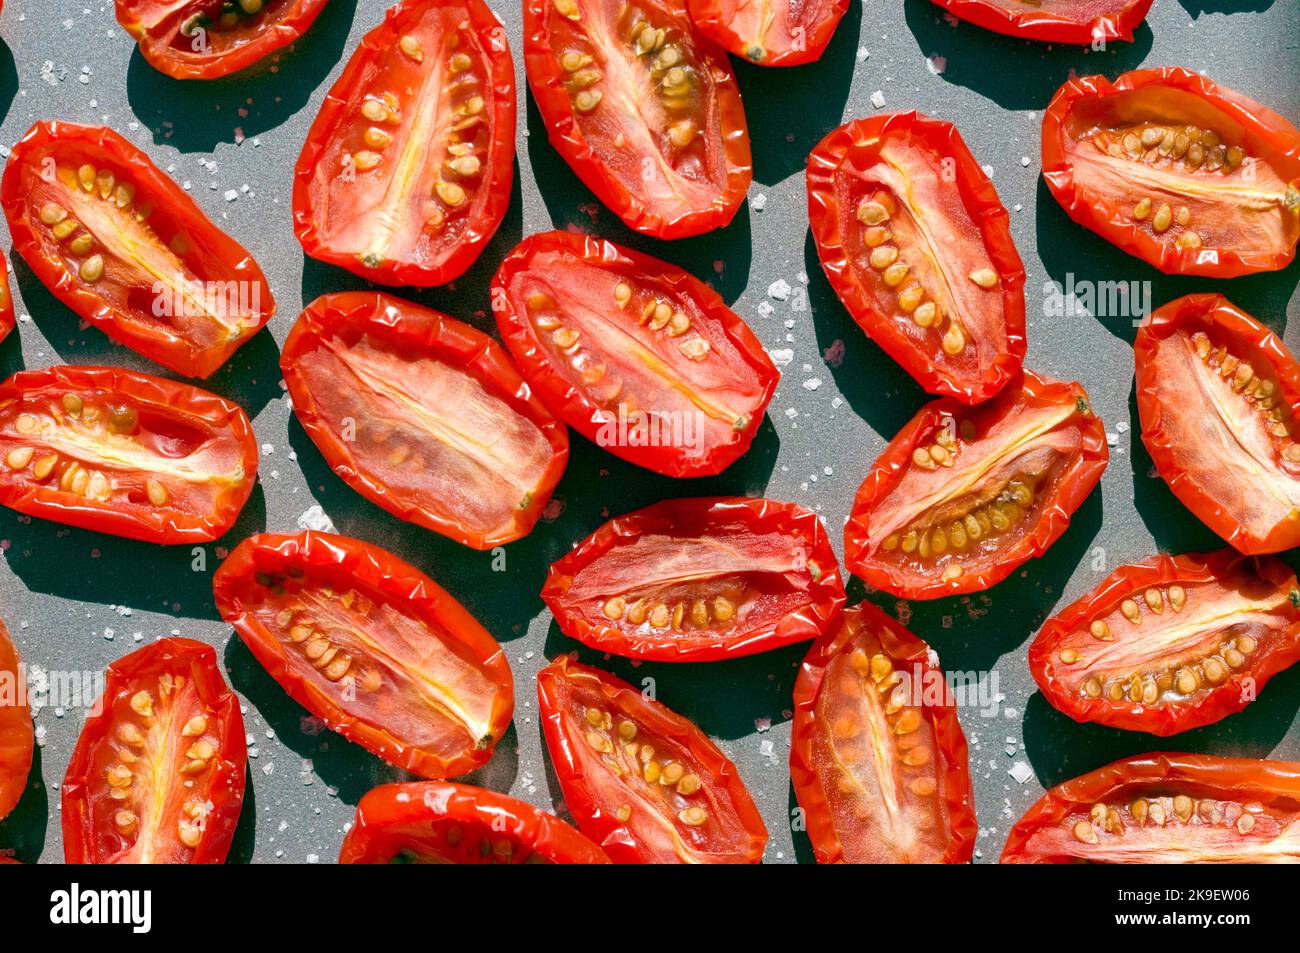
pixel 1191 178
pixel 642 781
pixel 769 32
pixel 929 271
pixel 123 245
pixel 1171 643
pixel 424 416
pixel 1218 394
pixel 406 172
pixel 430 822
pixel 16 735
pixel 1054 21
pixel 1166 809
pixel 878 758
pixel 963 496
pixel 124 453
pixel 371 646
pixel 633 353
pixel 157 776
pixel 645 111
pixel 699 579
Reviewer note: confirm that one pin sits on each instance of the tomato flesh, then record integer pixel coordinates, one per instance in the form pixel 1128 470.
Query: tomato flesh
pixel 769 32
pixel 16 734
pixel 1054 21
pixel 6 300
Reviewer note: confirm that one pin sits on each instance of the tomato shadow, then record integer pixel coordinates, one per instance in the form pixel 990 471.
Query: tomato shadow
pixel 8 78
pixel 243 845
pixel 1200 7
pixel 23 831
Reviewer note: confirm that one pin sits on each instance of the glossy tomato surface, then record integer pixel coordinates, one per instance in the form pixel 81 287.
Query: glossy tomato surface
pixel 635 354
pixel 370 645
pixel 121 243
pixel 698 580
pixel 877 755
pixel 16 734
pixel 1218 394
pixel 406 172
pixel 1188 176
pixel 424 416
pixel 769 32
pixel 916 243
pixel 962 496
pixel 644 109
pixel 6 300
pixel 124 453
pixel 640 780
pixel 1054 21
pixel 1171 643
pixel 157 776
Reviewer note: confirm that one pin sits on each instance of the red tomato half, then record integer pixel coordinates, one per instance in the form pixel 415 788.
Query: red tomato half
pixel 643 108
pixel 927 269
pixel 124 453
pixel 1166 809
pixel 432 822
pixel 124 246
pixel 963 496
pixel 877 756
pixel 769 32
pixel 157 776
pixel 1054 21
pixel 698 580
pixel 406 172
pixel 372 646
pixel 6 300
pixel 204 39
pixel 1218 395
pixel 1171 643
pixel 16 735
pixel 635 354
pixel 424 416
pixel 1162 163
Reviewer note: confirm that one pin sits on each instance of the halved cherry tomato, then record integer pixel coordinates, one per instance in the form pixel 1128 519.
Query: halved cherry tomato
pixel 424 416
pixel 769 32
pixel 205 39
pixel 699 579
pixel 123 245
pixel 1166 809
pixel 6 300
pixel 437 822
pixel 1190 177
pixel 124 453
pixel 1218 394
pixel 635 354
pixel 640 780
pixel 963 496
pixel 406 172
pixel 1171 643
pixel 916 243
pixel 877 756
pixel 644 109
pixel 16 735
pixel 372 646
pixel 1054 21
pixel 157 776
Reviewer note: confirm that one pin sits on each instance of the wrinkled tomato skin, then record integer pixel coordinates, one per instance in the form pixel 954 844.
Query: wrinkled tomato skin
pixel 6 300
pixel 1226 569
pixel 412 333
pixel 126 313
pixel 159 42
pixel 727 23
pixel 16 734
pixel 592 804
pixel 442 822
pixel 783 531
pixel 1097 98
pixel 334 563
pixel 317 176
pixel 858 145
pixel 1116 19
pixel 88 837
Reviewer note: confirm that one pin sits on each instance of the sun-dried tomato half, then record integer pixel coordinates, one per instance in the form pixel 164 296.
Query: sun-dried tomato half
pixel 124 453
pixel 962 496
pixel 1166 809
pixel 769 32
pixel 1190 177
pixel 1054 21
pixel 424 416
pixel 635 354
pixel 916 243
pixel 1171 643
pixel 6 300
pixel 644 109
pixel 16 735
pixel 122 244
pixel 371 646
pixel 1218 394
pixel 406 172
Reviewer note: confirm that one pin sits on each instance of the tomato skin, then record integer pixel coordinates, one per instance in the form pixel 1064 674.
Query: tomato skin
pixel 6 300
pixel 722 21
pixel 418 334
pixel 224 262
pixel 84 841
pixel 1051 26
pixel 16 734
pixel 857 145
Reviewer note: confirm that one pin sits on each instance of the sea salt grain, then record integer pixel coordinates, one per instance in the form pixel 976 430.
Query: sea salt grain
pixel 1021 772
